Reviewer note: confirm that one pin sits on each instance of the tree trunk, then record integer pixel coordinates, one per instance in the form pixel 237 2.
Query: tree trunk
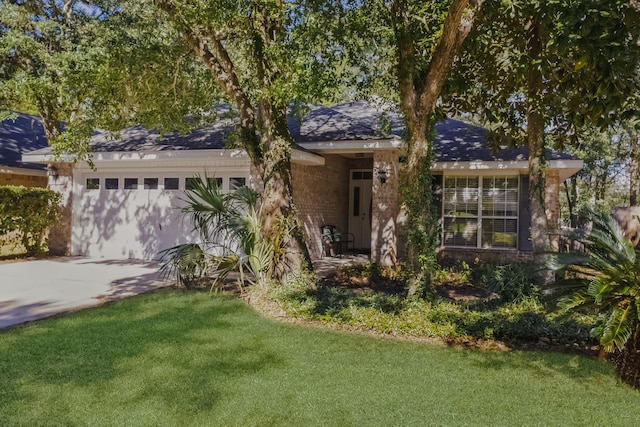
pixel 270 152
pixel 416 196
pixel 634 165
pixel 50 120
pixel 419 91
pixel 627 361
pixel 280 223
pixel 537 169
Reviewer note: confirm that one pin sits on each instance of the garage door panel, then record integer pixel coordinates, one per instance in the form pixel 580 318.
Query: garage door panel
pixel 129 223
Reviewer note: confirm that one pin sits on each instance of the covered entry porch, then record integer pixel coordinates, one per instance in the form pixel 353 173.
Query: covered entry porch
pixel 356 191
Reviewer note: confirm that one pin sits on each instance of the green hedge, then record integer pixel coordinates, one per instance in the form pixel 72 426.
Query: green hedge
pixel 26 214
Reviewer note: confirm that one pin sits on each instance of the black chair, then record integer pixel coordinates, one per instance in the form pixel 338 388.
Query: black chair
pixel 336 242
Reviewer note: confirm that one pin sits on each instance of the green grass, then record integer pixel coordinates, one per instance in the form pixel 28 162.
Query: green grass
pixel 175 358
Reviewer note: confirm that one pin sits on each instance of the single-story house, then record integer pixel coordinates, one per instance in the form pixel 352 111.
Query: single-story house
pixel 19 135
pixel 346 162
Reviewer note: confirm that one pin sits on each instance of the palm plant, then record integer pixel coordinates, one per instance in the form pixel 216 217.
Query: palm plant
pixel 605 278
pixel 231 240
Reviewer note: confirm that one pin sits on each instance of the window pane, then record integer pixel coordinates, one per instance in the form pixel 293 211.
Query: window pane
pixel 500 196
pixel 499 233
pixel 367 175
pixel 356 201
pixel 111 183
pixel 190 183
pixel 151 183
pixel 93 183
pixel 460 232
pixel 131 183
pixel 461 196
pixel 215 182
pixel 171 183
pixel 236 183
pixel 499 210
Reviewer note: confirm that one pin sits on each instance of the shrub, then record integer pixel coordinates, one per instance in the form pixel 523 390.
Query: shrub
pixel 26 214
pixel 373 271
pixel 457 274
pixel 232 241
pixel 513 282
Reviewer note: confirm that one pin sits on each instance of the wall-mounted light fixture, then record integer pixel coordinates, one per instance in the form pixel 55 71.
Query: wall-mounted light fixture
pixel 52 172
pixel 382 176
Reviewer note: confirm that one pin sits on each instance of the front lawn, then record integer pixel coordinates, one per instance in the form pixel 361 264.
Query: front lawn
pixel 177 358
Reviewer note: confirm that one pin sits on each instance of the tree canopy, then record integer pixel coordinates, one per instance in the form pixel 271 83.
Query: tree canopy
pixel 99 64
pixel 532 68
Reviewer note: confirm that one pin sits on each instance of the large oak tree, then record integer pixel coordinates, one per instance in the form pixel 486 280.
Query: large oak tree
pixel 415 45
pixel 536 68
pixel 263 54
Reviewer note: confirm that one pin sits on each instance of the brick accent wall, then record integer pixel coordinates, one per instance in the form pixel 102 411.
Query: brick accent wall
pixel 387 225
pixel 321 194
pixel 26 180
pixel 60 236
pixel 474 255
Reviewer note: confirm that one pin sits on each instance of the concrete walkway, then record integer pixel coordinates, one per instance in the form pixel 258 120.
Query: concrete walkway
pixel 31 290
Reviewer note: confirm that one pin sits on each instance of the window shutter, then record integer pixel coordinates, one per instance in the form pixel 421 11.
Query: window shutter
pixel 524 227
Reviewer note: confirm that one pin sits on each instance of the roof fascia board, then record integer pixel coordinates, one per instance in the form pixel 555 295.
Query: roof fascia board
pixel 480 165
pixel 22 171
pixel 298 156
pixel 352 146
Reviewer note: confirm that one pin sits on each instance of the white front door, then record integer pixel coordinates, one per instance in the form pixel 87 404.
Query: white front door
pixel 360 206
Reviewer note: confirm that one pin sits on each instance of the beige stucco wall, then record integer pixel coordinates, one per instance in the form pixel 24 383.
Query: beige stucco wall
pixel 321 194
pixel 26 180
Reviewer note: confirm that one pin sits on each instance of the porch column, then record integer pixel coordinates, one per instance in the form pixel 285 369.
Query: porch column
pixel 387 242
pixel 60 235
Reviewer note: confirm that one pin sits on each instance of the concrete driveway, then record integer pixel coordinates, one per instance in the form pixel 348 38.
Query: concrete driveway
pixel 31 290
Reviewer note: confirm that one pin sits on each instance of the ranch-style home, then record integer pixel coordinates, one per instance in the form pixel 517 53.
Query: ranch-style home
pixel 19 135
pixel 346 162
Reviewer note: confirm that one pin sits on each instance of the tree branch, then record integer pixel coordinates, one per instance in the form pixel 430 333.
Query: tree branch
pixel 457 26
pixel 216 58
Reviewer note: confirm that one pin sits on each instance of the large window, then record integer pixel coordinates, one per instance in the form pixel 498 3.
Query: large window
pixel 480 211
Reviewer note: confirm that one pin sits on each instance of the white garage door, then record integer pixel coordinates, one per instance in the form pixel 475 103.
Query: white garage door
pixel 135 215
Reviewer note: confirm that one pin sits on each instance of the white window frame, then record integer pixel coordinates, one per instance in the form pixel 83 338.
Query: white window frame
pixel 480 215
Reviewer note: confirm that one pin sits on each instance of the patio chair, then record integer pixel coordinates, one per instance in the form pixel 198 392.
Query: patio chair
pixel 336 242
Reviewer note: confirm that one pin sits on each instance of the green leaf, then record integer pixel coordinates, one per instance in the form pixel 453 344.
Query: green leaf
pixel 582 62
pixel 617 329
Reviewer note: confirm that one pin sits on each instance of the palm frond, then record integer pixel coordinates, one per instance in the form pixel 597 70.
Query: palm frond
pixel 618 328
pixel 230 229
pixel 186 263
pixel 605 279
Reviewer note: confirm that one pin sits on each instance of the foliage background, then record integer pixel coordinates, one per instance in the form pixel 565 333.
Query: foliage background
pixel 26 214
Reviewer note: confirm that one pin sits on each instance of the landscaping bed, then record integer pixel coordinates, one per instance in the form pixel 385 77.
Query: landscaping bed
pixel 486 306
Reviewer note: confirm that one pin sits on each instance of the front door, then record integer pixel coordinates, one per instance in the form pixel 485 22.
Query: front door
pixel 360 207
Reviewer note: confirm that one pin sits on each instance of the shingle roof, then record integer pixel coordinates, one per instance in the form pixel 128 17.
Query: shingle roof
pixel 457 141
pixel 138 138
pixel 337 124
pixel 357 121
pixel 20 135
